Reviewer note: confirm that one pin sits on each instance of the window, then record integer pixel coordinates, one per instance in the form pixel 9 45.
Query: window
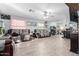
pixel 1 25
pixel 18 24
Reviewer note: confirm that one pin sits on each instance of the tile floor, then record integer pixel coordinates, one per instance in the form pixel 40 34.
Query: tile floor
pixel 50 46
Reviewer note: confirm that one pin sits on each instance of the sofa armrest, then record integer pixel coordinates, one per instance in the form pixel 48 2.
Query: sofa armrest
pixel 8 50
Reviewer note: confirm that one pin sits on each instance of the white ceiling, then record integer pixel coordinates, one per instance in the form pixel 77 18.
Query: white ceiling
pixel 56 10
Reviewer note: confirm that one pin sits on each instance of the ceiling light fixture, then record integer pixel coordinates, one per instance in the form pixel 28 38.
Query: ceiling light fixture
pixel 31 10
pixel 47 14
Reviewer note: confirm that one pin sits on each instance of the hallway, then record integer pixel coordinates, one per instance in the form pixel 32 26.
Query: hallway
pixel 50 46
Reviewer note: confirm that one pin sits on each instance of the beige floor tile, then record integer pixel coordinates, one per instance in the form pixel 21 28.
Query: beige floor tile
pixel 50 46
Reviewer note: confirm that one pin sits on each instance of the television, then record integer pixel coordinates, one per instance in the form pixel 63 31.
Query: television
pixel 3 16
pixel 74 16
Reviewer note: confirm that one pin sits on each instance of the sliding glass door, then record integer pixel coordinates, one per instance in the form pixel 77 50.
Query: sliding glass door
pixel 1 27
